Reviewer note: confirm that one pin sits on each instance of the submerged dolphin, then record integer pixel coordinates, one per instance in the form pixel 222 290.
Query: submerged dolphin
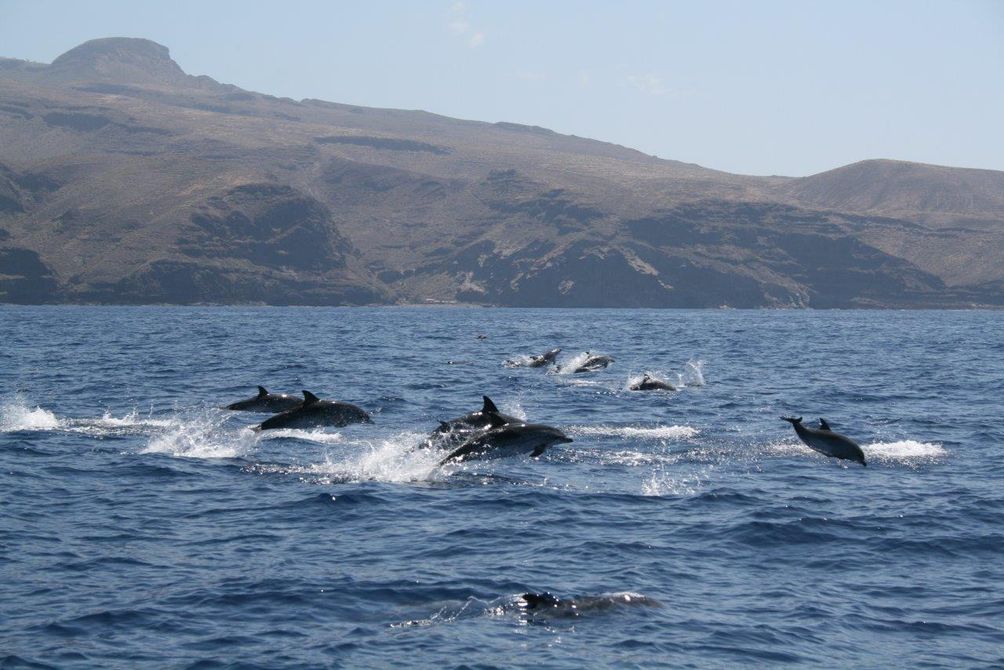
pixel 314 413
pixel 825 441
pixel 505 438
pixel 548 604
pixel 650 383
pixel 266 402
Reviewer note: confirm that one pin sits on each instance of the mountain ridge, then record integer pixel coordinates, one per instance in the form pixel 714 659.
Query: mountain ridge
pixel 119 172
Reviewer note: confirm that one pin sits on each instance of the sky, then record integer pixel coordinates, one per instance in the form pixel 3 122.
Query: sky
pixel 754 87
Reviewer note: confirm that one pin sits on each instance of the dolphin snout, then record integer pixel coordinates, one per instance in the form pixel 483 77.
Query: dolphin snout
pixel 563 439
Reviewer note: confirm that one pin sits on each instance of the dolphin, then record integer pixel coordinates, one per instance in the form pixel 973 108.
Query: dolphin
pixel 825 441
pixel 548 604
pixel 594 362
pixel 535 361
pixel 266 402
pixel 543 359
pixel 478 420
pixel 650 383
pixel 505 438
pixel 314 413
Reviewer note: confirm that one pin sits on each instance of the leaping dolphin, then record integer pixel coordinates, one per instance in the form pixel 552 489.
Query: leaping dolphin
pixel 505 438
pixel 456 431
pixel 825 441
pixel 314 413
pixel 544 359
pixel 477 420
pixel 266 402
pixel 593 363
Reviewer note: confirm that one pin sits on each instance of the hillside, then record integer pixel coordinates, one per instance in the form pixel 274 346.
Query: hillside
pixel 125 180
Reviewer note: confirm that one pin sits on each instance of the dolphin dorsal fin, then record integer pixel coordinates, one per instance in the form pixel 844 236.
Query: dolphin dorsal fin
pixel 495 419
pixel 489 406
pixel 262 392
pixel 823 425
pixel 309 398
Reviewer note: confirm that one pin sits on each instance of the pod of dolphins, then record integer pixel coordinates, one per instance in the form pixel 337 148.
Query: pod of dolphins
pixel 488 433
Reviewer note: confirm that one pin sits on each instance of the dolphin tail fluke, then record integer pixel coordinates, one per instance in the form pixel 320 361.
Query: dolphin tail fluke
pixel 792 420
pixel 489 406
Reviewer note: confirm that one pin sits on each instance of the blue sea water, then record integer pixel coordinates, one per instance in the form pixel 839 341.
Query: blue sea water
pixel 140 526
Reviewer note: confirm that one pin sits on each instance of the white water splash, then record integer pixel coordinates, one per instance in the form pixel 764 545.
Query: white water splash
pixel 692 376
pixel 520 361
pixel 663 483
pixel 514 408
pixel 693 373
pixel 653 433
pixel 17 414
pixel 570 365
pixel 201 436
pixel 395 458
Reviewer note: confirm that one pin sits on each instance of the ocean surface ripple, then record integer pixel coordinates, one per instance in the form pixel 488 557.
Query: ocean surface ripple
pixel 141 525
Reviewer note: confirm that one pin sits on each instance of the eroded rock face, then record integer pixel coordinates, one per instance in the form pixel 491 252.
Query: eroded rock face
pixel 269 225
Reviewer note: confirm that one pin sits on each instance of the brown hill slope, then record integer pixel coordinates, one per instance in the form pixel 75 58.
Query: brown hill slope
pixel 122 179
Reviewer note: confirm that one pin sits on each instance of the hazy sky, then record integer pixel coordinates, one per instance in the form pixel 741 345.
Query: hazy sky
pixel 767 87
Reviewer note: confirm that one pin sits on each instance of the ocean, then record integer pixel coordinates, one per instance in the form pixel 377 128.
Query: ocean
pixel 142 526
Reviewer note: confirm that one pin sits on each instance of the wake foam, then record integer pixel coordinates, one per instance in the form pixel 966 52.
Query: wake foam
pixel 635 432
pixel 18 414
pixel 316 436
pixel 904 451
